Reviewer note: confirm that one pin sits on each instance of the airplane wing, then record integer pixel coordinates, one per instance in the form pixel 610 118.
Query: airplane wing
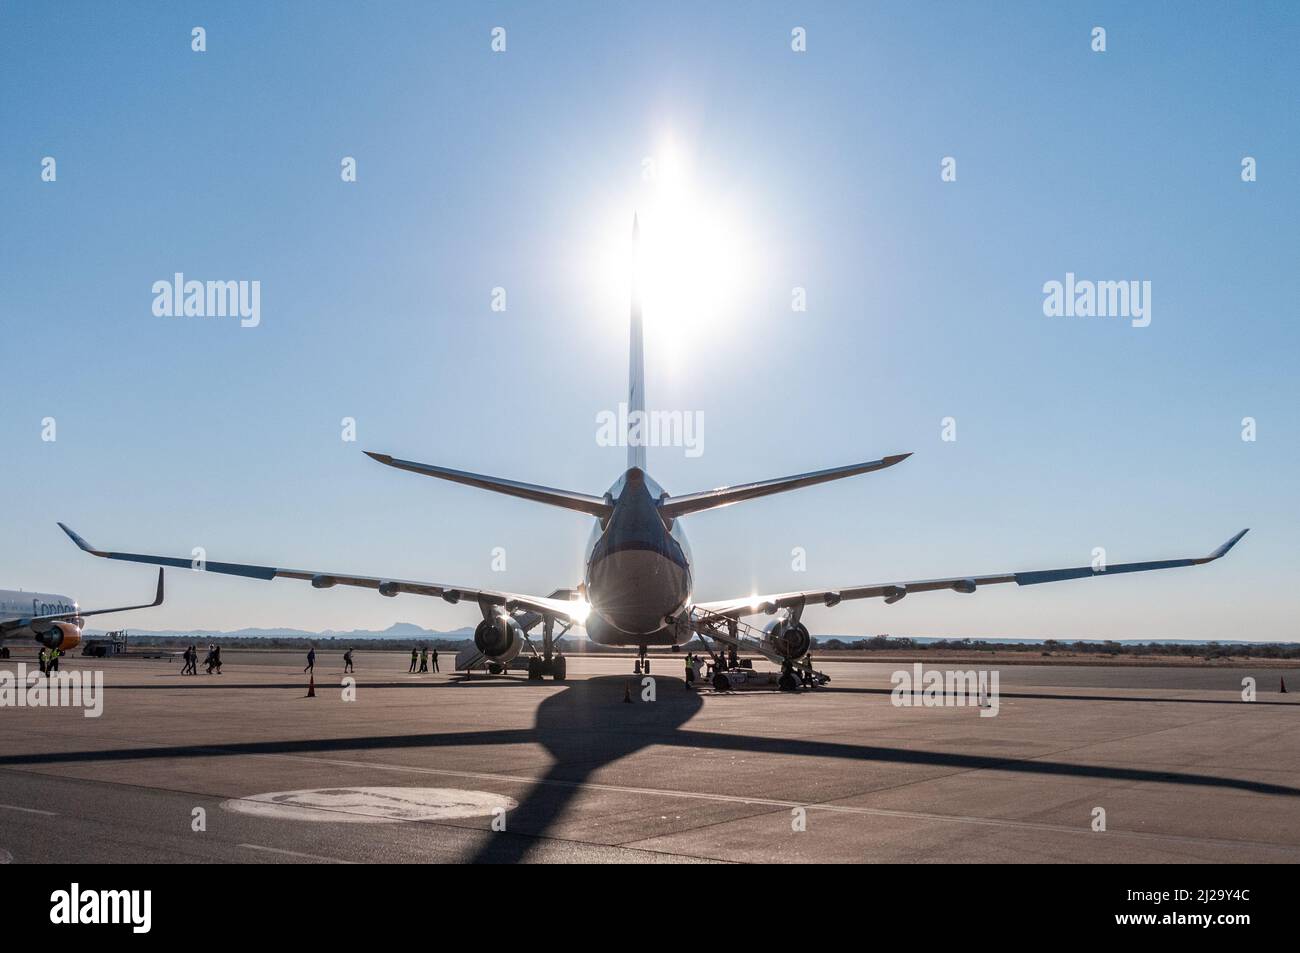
pixel 675 506
pixel 80 614
pixel 892 592
pixel 386 587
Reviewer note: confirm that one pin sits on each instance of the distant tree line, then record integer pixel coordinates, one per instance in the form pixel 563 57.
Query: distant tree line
pixel 1209 650
pixel 876 643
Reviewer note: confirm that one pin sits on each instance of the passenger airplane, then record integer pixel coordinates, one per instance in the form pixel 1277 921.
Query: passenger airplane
pixel 52 620
pixel 638 578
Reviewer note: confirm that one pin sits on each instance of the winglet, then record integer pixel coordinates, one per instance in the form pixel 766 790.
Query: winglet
pixel 158 599
pixel 896 458
pixel 381 457
pixel 1223 550
pixel 86 547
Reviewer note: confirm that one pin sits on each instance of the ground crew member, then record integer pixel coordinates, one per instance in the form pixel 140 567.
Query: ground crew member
pixel 690 671
pixel 45 661
pixel 54 660
pixel 415 655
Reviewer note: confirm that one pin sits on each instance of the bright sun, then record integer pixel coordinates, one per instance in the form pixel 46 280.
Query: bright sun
pixel 694 262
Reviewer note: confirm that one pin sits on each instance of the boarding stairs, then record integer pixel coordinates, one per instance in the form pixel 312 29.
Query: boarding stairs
pixel 744 636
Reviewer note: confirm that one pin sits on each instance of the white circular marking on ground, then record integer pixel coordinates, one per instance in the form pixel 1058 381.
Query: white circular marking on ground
pixel 371 805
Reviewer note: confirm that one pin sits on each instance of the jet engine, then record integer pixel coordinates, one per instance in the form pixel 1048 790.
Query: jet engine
pixel 60 635
pixel 500 638
pixel 789 639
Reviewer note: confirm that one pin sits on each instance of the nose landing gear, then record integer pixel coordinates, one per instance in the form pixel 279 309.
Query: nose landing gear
pixel 642 664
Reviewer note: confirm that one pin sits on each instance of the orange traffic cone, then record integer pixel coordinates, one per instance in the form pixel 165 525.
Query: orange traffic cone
pixel 1283 688
pixel 627 692
pixel 311 686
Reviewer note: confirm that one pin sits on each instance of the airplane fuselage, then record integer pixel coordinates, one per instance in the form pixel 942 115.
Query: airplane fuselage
pixel 638 569
pixel 17 604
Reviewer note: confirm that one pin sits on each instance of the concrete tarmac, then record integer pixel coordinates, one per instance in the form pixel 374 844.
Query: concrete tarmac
pixel 242 767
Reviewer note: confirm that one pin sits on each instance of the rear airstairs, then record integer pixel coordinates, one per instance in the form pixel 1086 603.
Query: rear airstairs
pixel 742 636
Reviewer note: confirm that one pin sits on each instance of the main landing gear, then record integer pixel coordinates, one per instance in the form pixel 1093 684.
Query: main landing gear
pixel 787 682
pixel 550 662
pixel 539 668
pixel 642 665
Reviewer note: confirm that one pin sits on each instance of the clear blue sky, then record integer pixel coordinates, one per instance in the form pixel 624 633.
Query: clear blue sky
pixel 522 170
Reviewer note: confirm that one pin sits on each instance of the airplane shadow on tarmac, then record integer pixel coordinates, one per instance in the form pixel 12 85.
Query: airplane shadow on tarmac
pixel 586 725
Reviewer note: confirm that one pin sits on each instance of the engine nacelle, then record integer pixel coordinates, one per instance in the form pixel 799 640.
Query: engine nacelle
pixel 499 638
pixel 790 640
pixel 63 636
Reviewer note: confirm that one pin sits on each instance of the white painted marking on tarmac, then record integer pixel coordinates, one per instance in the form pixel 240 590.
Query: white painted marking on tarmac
pixel 773 803
pixel 27 810
pixel 293 853
pixel 372 805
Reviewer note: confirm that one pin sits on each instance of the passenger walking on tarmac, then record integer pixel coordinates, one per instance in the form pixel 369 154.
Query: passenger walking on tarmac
pixel 194 660
pixel 433 656
pixel 311 659
pixel 216 658
pixel 207 659
pixel 424 659
pixel 347 661
pixel 415 656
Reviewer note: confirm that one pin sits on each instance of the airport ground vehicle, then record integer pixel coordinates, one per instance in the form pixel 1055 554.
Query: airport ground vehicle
pixel 110 643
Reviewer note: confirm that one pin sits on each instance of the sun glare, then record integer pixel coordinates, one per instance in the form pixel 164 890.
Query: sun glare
pixel 694 263
pixel 579 610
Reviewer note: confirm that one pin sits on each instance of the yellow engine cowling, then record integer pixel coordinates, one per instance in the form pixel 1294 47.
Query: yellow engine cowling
pixel 63 636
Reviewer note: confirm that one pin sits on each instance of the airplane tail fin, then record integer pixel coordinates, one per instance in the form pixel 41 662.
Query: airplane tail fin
pixel 636 365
